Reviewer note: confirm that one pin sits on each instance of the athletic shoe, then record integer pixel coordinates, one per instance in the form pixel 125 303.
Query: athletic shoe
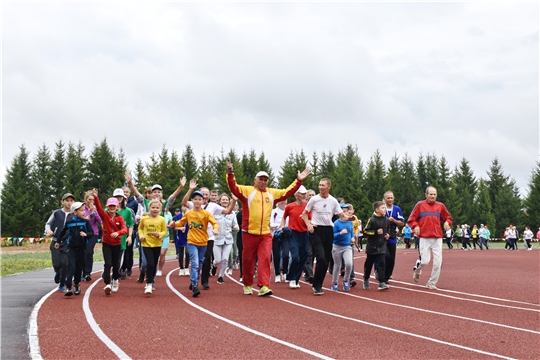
pixel 77 290
pixel 68 292
pixel 383 286
pixel 61 288
pixel 292 284
pixel 153 287
pixel 318 291
pixel 418 262
pixel 122 275
pixel 196 291
pixel 214 270
pixel 186 272
pixel 205 286
pixel 431 286
pixel 159 273
pixel 278 278
pixel 129 273
pixel 264 291
pixel 57 278
pixel 220 280
pixel 181 272
pixel 310 279
pixel 141 278
pixel 190 286
pixel 335 287
pixel 353 283
pixel 229 272
pixel 83 278
pixel 366 284
pixel 115 285
pixel 346 286
pixel 88 277
pixel 235 266
pixel 297 284
pixel 376 274
pixel 416 277
pixel 248 290
pixel 107 289
pixel 148 289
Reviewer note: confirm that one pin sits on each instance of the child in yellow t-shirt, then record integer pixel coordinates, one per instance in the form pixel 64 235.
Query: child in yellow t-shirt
pixel 152 229
pixel 197 220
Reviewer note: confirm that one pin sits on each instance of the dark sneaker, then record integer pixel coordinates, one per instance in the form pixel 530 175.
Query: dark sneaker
pixel 205 286
pixel 128 273
pixel 353 283
pixel 220 280
pixel 61 288
pixel 190 286
pixel 318 291
pixel 214 270
pixel 310 280
pixel 88 277
pixel 196 291
pixel 57 278
pixel 68 292
pixel 383 286
pixel 366 284
pixel 141 278
pixel 122 275
pixel 77 289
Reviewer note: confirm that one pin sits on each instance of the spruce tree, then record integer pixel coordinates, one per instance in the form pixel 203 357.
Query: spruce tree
pixel 421 176
pixel 374 184
pixel 532 201
pixel 206 173
pixel 264 165
pixel 18 202
pixel 188 163
pixel 288 172
pixel 348 177
pixel 42 177
pixel 140 178
pixel 251 167
pixel 58 166
pixel 394 180
pixel 408 193
pixel 312 182
pixel 465 184
pixel 328 166
pixel 221 169
pixel 75 171
pixel 483 208
pixel 105 172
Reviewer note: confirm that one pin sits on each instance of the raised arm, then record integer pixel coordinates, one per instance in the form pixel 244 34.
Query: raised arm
pixel 172 198
pixel 129 180
pixel 231 206
pixel 192 186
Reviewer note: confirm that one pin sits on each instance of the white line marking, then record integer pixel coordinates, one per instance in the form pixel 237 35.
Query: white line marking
pixel 33 338
pixel 95 327
pixel 385 327
pixel 243 327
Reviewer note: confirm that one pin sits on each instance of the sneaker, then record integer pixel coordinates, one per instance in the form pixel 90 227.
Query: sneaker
pixel 186 272
pixel 123 275
pixel 195 292
pixel 353 283
pixel 129 272
pixel 88 277
pixel 83 278
pixel 346 286
pixel 376 274
pixel 318 291
pixel 141 278
pixel 297 284
pixel 153 287
pixel 181 272
pixel 431 286
pixel 115 285
pixel 310 280
pixel 62 288
pixel 57 278
pixel 229 272
pixel 107 289
pixel 214 270
pixel 220 280
pixel 248 290
pixel 77 290
pixel 334 287
pixel 278 278
pixel 383 286
pixel 264 291
pixel 235 266
pixel 417 264
pixel 159 273
pixel 416 277
pixel 148 289
pixel 190 286
pixel 366 284
pixel 292 284
pixel 68 292
pixel 205 286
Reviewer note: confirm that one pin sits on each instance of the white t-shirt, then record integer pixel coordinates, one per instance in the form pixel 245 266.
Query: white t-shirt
pixel 213 209
pixel 323 209
pixel 275 219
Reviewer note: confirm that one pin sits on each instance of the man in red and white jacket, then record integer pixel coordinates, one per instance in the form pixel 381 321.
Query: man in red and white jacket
pixel 425 220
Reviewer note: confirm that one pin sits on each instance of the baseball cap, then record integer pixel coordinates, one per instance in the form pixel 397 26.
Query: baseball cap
pixel 301 190
pixel 112 201
pixel 68 195
pixel 343 206
pixel 262 173
pixel 177 209
pixel 118 192
pixel 197 192
pixel 76 205
pixel 156 186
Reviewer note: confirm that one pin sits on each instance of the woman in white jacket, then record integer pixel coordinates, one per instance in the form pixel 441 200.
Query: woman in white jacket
pixel 223 241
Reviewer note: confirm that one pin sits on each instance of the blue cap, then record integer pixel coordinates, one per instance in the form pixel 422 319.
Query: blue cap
pixel 344 206
pixel 197 192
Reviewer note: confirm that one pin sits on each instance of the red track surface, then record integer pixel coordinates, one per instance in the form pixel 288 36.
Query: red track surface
pixel 487 305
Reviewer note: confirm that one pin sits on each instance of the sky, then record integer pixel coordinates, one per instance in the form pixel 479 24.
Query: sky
pixel 459 80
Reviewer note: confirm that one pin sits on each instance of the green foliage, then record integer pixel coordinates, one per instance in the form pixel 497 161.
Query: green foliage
pixel 188 163
pixel 206 172
pixel 484 209
pixel 406 195
pixel 374 181
pixel 532 201
pixel 42 177
pixel 105 170
pixel 75 171
pixel 57 169
pixel 466 185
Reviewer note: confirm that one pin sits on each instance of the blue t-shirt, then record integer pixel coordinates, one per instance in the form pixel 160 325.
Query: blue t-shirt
pixel 343 240
pixel 396 213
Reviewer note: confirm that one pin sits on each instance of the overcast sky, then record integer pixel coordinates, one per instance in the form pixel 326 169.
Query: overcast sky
pixel 453 79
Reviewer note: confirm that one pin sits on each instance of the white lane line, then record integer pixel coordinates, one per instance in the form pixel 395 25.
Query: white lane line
pixel 385 327
pixel 95 327
pixel 243 327
pixel 33 338
pixel 438 293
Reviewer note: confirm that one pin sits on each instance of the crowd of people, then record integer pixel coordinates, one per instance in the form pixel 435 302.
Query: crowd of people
pixel 314 235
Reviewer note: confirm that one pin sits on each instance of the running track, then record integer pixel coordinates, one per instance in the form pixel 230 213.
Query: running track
pixel 487 306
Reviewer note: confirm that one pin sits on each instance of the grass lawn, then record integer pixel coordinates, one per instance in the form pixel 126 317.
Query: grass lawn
pixel 32 257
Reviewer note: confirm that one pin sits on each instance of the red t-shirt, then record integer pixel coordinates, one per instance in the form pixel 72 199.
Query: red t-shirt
pixel 294 212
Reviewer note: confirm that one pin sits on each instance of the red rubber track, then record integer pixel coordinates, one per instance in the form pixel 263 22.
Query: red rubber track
pixel 497 286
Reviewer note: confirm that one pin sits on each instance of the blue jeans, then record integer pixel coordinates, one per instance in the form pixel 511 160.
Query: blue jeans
pixel 196 258
pixel 299 248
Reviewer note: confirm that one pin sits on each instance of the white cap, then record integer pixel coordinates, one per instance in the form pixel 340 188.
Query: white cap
pixel 302 190
pixel 262 173
pixel 118 192
pixel 156 186
pixel 76 205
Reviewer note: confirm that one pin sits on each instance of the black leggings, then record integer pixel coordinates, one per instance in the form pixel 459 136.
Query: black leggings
pixel 280 250
pixel 183 257
pixel 152 259
pixel 111 256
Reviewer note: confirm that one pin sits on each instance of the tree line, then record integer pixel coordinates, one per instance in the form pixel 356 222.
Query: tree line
pixel 33 187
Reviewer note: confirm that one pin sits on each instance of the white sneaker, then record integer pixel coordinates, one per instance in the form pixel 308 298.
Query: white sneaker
pixel 159 273
pixel 278 278
pixel 107 289
pixel 186 272
pixel 229 272
pixel 292 284
pixel 148 289
pixel 115 286
pixel 181 272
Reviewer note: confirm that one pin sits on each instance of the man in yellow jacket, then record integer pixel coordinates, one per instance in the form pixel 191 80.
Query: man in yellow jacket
pixel 257 203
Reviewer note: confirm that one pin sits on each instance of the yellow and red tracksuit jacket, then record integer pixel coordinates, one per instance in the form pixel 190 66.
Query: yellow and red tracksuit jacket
pixel 257 205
